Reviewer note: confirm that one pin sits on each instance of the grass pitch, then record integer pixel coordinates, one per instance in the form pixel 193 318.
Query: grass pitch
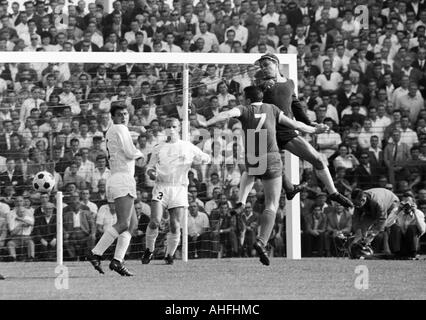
pixel 217 279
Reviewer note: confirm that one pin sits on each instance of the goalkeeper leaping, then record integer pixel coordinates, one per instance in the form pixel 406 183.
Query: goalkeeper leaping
pixel 279 91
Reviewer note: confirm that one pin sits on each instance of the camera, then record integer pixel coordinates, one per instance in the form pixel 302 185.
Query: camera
pixel 407 208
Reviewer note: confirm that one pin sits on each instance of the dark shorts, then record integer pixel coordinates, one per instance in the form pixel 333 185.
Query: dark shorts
pixel 285 136
pixel 268 167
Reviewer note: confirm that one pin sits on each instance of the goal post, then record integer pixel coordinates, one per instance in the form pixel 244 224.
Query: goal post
pixel 288 66
pixel 59 229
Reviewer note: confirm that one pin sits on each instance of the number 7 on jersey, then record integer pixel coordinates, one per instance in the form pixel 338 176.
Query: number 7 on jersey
pixel 262 117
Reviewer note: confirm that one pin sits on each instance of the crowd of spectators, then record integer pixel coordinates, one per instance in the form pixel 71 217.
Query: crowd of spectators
pixel 363 75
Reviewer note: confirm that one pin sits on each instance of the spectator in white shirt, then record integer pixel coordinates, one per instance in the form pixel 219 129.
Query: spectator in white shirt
pixel 350 25
pixel 328 80
pixel 241 32
pixel 30 103
pixel 327 142
pixel 285 40
pixel 68 98
pixel 345 159
pixel 411 102
pixel 212 79
pixel 223 95
pixel 100 172
pixel 364 137
pixel 331 110
pixel 86 140
pixel 209 38
pixel 130 36
pixel 85 195
pixel 96 38
pixel 105 218
pixel 20 222
pixel 171 47
pixel 408 136
pixel 342 59
pixel 22 27
pixel 271 15
pixel 227 45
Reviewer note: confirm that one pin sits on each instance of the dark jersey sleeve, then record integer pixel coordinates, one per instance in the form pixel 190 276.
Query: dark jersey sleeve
pixel 276 112
pixel 298 112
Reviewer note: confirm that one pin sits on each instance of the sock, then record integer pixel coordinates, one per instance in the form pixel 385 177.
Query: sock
pixel 267 221
pixel 287 185
pixel 151 236
pixel 106 241
pixel 122 245
pixel 172 242
pixel 246 184
pixel 325 176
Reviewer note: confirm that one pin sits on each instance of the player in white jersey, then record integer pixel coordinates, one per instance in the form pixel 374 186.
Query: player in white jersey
pixel 120 189
pixel 169 166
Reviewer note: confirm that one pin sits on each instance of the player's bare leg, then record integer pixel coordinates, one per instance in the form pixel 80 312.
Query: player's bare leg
pixel 272 191
pixel 152 230
pixel 173 236
pixel 246 184
pixel 303 149
pixel 123 243
pixel 124 210
pixel 124 207
pixel 291 189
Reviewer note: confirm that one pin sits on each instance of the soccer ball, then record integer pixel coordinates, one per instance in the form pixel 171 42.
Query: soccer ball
pixel 43 181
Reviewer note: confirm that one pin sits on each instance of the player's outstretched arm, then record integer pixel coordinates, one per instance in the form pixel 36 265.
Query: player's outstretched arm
pixel 150 168
pixel 200 157
pixel 233 113
pixel 298 112
pixel 297 125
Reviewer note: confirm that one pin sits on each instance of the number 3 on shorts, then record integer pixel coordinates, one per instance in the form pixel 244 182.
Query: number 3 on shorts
pixel 160 196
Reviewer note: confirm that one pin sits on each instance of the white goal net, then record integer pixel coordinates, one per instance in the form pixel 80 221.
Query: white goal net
pixel 61 116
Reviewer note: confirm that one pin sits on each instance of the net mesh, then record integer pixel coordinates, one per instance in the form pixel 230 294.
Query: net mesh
pixel 57 119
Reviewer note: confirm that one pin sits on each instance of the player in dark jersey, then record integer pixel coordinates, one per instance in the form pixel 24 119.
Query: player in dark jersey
pixel 1 277
pixel 262 156
pixel 279 91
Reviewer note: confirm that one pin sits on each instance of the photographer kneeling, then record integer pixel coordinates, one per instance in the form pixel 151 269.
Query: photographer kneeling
pixel 406 226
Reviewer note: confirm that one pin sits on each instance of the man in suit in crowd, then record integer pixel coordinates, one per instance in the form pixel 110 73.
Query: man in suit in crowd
pixel 99 198
pixel 315 227
pixel 86 44
pixel 11 177
pixel 339 226
pixel 376 154
pixel 79 228
pixel 126 69
pixel 415 75
pixel 394 155
pixel 139 45
pixel 44 233
pixel 365 175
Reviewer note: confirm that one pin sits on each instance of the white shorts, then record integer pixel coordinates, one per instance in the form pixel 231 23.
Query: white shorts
pixel 170 196
pixel 120 185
